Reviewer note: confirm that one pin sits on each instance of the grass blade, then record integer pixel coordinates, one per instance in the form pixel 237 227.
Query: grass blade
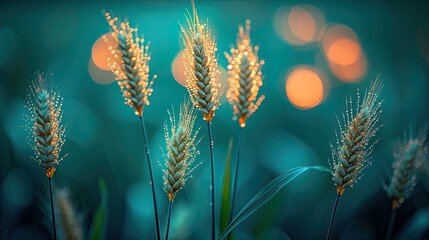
pixel 99 220
pixel 225 208
pixel 265 194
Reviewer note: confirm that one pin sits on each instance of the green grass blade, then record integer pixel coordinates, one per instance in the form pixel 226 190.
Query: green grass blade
pixel 99 221
pixel 266 193
pixel 225 208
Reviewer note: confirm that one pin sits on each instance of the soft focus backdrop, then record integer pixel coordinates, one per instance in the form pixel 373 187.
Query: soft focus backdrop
pixel 315 55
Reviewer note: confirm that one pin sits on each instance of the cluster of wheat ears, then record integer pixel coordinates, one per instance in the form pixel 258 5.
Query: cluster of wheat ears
pixel 356 137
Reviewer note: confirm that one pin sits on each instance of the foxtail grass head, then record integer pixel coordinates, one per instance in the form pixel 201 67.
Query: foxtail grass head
pixel 201 71
pixel 409 158
pixel 71 224
pixel 181 141
pixel 355 144
pixel 44 124
pixel 245 76
pixel 130 63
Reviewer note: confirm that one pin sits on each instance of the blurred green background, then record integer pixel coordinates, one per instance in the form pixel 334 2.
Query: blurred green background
pixel 104 139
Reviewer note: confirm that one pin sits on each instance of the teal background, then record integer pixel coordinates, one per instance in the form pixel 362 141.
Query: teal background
pixel 104 139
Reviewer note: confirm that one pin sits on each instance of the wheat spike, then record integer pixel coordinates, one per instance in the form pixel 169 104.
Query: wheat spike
pixel 200 62
pixel 70 222
pixel 44 124
pixel 130 63
pixel 352 154
pixel 181 141
pixel 245 76
pixel 408 160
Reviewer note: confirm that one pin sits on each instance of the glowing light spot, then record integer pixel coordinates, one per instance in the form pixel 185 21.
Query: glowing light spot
pixel 344 51
pixel 100 76
pixel 305 87
pixel 350 73
pixel 101 52
pixel 178 69
pixel 300 25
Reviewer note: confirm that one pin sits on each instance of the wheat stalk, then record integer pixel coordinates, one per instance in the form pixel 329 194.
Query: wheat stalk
pixel 202 77
pixel 245 76
pixel 70 222
pixel 200 60
pixel 245 79
pixel 354 147
pixel 408 160
pixel 181 141
pixel 46 131
pixel 130 63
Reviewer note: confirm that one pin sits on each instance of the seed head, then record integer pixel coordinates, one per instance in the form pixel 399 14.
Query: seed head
pixel 408 160
pixel 70 220
pixel 181 141
pixel 130 63
pixel 200 60
pixel 245 76
pixel 44 124
pixel 355 145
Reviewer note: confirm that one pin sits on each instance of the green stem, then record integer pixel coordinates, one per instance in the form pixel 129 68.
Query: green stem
pixel 167 228
pixel 152 183
pixel 212 184
pixel 235 177
pixel 51 193
pixel 391 223
pixel 331 223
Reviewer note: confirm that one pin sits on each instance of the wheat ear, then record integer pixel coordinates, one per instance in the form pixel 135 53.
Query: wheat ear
pixel 46 131
pixel 352 154
pixel 130 63
pixel 245 76
pixel 181 141
pixel 355 145
pixel 201 66
pixel 408 160
pixel 131 68
pixel 70 222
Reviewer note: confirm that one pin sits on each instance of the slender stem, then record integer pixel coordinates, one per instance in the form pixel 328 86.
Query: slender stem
pixel 152 183
pixel 167 228
pixel 331 223
pixel 391 223
pixel 51 193
pixel 235 177
pixel 212 184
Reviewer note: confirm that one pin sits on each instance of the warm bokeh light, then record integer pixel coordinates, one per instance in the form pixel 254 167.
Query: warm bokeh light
pixel 100 76
pixel 302 24
pixel 178 69
pixel 299 25
pixel 350 73
pixel 344 53
pixel 305 87
pixel 100 52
